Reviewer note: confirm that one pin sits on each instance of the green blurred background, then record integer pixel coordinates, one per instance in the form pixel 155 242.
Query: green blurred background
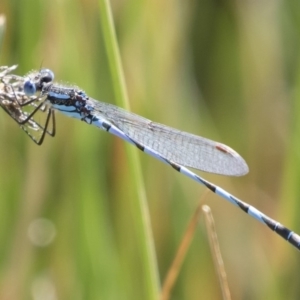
pixel 227 70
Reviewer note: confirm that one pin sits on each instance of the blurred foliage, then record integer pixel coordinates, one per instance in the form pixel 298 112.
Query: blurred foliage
pixel 227 70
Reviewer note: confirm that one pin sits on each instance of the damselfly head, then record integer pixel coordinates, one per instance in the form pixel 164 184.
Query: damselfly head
pixel 35 81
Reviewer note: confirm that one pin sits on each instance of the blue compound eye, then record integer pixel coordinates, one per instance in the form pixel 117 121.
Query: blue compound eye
pixel 29 88
pixel 46 75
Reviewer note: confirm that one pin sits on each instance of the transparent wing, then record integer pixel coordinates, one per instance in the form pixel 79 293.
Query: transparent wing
pixel 178 146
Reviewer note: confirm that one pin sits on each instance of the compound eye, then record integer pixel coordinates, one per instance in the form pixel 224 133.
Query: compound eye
pixel 29 88
pixel 46 75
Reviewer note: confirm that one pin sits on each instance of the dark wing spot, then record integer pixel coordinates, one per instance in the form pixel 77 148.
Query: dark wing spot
pixel 222 148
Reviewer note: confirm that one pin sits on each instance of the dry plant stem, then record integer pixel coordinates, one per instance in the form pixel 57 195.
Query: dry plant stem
pixel 182 250
pixel 216 253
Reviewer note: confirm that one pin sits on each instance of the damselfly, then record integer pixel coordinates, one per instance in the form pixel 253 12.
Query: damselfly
pixel 173 147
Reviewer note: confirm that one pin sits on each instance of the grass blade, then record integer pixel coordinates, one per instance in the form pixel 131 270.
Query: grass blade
pixel 139 202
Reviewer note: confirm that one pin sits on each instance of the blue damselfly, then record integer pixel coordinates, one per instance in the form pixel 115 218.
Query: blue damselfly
pixel 176 148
